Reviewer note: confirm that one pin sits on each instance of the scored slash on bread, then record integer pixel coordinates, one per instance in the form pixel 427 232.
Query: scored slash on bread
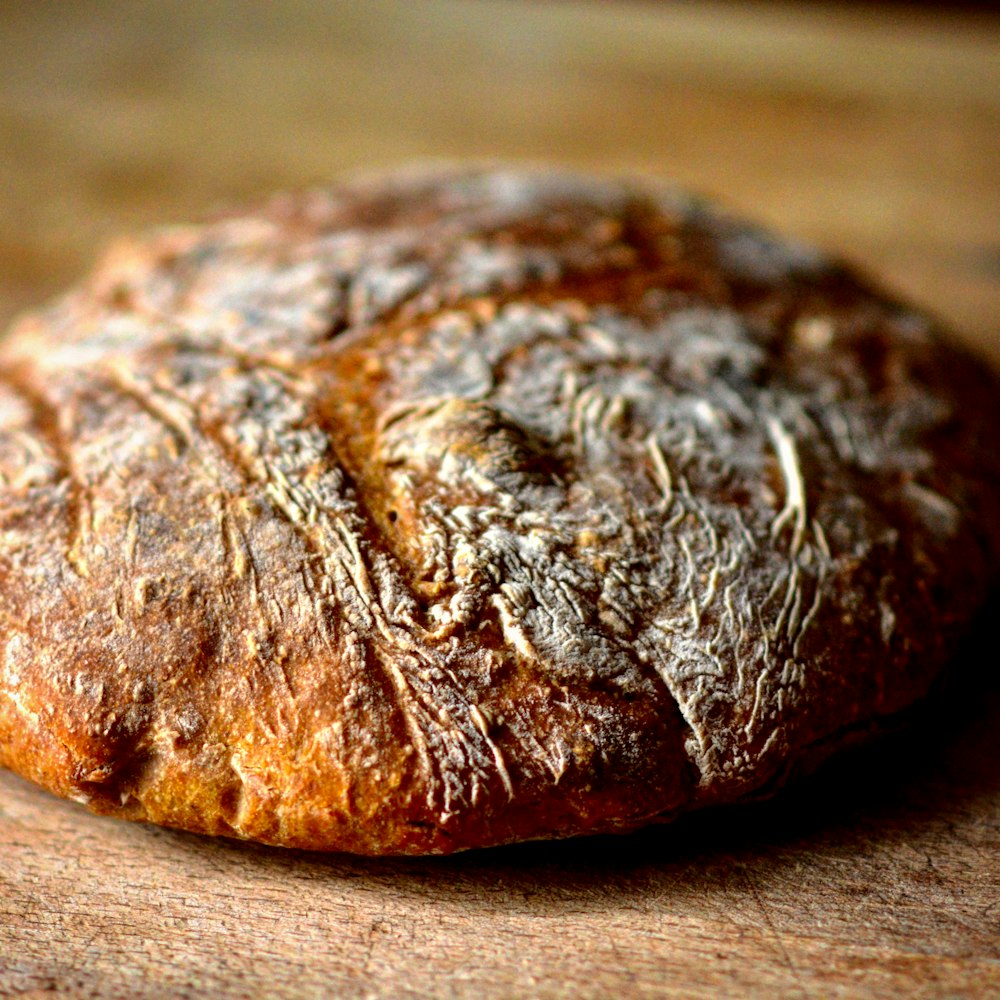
pixel 470 506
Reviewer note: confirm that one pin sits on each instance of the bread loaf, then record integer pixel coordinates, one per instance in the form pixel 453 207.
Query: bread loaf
pixel 464 507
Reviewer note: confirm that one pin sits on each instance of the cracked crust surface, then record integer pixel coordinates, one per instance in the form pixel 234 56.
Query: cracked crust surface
pixel 458 508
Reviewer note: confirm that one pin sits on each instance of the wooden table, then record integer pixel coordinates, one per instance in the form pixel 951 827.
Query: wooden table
pixel 873 133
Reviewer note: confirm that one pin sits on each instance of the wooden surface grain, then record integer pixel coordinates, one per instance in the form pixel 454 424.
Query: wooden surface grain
pixel 873 133
pixel 877 877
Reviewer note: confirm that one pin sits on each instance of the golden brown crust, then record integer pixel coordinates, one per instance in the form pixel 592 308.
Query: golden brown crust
pixel 461 508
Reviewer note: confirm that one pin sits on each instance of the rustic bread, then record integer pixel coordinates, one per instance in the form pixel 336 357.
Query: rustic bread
pixel 458 508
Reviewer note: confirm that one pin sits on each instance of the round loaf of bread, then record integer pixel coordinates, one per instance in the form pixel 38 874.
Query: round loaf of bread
pixel 463 507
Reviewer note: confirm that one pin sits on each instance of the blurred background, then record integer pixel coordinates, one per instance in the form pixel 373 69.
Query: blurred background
pixel 871 129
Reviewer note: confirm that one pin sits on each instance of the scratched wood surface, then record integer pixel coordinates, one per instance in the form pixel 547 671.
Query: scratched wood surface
pixel 871 132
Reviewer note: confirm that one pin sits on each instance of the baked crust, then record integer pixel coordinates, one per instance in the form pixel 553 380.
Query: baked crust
pixel 463 507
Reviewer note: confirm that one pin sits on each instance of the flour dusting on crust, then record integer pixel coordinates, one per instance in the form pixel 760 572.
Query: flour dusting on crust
pixel 457 508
